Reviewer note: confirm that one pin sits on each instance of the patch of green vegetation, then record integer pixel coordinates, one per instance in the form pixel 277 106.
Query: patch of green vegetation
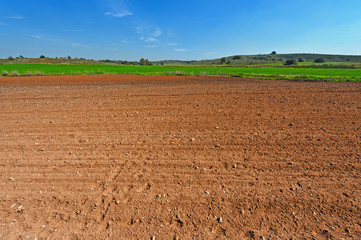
pixel 270 72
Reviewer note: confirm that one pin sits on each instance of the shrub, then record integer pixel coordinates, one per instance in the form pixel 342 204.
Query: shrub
pixel 236 57
pixel 14 73
pixel 38 73
pixel 42 56
pixel 301 60
pixel 203 74
pixel 273 53
pixel 223 60
pixel 10 58
pixel 5 73
pixel 320 60
pixel 28 73
pixel 290 62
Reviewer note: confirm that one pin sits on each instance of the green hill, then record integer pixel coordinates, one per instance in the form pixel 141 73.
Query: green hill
pixel 236 60
pixel 266 59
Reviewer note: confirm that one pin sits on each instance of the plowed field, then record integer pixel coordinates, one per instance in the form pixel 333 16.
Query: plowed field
pixel 141 157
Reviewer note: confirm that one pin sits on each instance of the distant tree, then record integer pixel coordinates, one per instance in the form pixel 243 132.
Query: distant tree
pixel 42 56
pixel 291 62
pixel 21 56
pixel 144 62
pixel 301 60
pixel 273 53
pixel 69 57
pixel 223 60
pixel 320 60
pixel 10 58
pixel 236 57
pixel 148 63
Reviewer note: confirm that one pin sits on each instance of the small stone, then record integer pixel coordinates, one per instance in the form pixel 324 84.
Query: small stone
pixel 152 238
pixel 19 208
pixel 220 220
pixel 299 184
pixel 206 192
pixel 192 139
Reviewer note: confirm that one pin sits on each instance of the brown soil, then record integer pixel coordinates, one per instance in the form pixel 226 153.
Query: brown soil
pixel 136 157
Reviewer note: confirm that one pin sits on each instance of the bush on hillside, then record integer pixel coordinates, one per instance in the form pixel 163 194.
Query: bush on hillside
pixel 320 60
pixel 290 62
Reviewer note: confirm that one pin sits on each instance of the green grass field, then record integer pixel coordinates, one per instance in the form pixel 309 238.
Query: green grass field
pixel 286 73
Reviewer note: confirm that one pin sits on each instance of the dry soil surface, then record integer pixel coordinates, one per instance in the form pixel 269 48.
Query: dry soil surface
pixel 142 157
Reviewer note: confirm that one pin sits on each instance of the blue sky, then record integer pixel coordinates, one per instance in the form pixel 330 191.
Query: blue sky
pixel 183 29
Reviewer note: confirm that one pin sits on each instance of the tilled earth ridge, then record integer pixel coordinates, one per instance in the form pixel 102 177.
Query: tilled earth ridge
pixel 136 157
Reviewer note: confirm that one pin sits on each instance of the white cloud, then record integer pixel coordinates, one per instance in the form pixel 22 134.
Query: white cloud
pixel 171 44
pixel 150 39
pixel 139 30
pixel 149 33
pixel 59 40
pixel 37 36
pixel 157 32
pixel 41 37
pixel 210 54
pixel 126 41
pixel 179 49
pixel 17 17
pixel 118 14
